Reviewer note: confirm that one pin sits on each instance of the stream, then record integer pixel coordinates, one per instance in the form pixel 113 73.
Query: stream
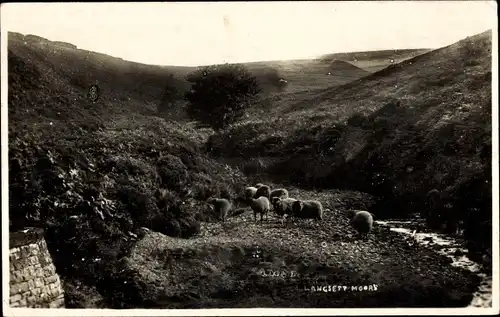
pixel 451 247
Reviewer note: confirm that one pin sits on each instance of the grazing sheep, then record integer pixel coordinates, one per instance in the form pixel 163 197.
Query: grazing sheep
pixel 361 221
pixel 260 205
pixel 275 201
pixel 259 185
pixel 283 206
pixel 221 206
pixel 279 192
pixel 263 191
pixel 307 209
pixel 250 192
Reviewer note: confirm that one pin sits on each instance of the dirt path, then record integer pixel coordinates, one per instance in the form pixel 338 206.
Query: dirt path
pixel 219 268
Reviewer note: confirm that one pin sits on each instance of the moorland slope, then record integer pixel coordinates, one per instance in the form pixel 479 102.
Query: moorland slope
pixel 374 61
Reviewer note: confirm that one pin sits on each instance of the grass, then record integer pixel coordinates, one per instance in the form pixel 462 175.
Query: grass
pixel 122 191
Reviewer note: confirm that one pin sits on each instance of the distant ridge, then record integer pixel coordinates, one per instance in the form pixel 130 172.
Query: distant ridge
pixel 343 66
pixel 430 58
pixel 301 74
pixel 369 55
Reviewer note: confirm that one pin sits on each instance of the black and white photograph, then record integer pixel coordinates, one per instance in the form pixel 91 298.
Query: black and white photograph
pixel 250 158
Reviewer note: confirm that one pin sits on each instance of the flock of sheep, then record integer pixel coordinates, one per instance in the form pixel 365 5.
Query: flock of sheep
pixel 260 198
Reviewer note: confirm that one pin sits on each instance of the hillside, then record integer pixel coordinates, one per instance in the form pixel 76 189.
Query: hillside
pixel 433 80
pixel 309 74
pixel 306 75
pixel 420 124
pixel 341 66
pixel 125 86
pixel 122 192
pixel 374 61
pixel 147 83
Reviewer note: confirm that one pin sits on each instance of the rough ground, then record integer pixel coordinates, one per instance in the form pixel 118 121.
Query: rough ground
pixel 217 269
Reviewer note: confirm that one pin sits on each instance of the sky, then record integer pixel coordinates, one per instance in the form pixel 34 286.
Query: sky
pixel 201 33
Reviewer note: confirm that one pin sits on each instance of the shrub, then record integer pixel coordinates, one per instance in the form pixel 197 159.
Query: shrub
pixel 189 227
pixel 220 93
pixel 253 166
pixel 139 204
pixel 202 186
pixel 172 171
pixel 357 120
pixel 166 199
pixel 80 247
pixel 172 228
pixel 125 164
pixel 474 202
pixel 79 295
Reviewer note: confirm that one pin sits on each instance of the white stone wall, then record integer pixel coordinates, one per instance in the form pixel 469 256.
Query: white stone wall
pixel 34 282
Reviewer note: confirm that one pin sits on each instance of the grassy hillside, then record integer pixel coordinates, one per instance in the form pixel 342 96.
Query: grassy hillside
pixel 398 133
pixel 305 74
pixel 374 61
pixel 122 192
pixel 335 69
pixel 94 174
pixel 126 86
pixel 147 82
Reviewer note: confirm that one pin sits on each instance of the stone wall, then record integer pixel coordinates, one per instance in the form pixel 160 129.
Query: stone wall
pixel 34 282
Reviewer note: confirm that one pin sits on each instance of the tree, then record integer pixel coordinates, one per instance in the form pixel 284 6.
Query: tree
pixel 220 94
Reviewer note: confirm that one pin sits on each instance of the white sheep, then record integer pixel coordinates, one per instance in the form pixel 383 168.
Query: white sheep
pixel 279 193
pixel 221 206
pixel 283 206
pixel 250 192
pixel 263 191
pixel 361 221
pixel 307 209
pixel 260 205
pixel 273 201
